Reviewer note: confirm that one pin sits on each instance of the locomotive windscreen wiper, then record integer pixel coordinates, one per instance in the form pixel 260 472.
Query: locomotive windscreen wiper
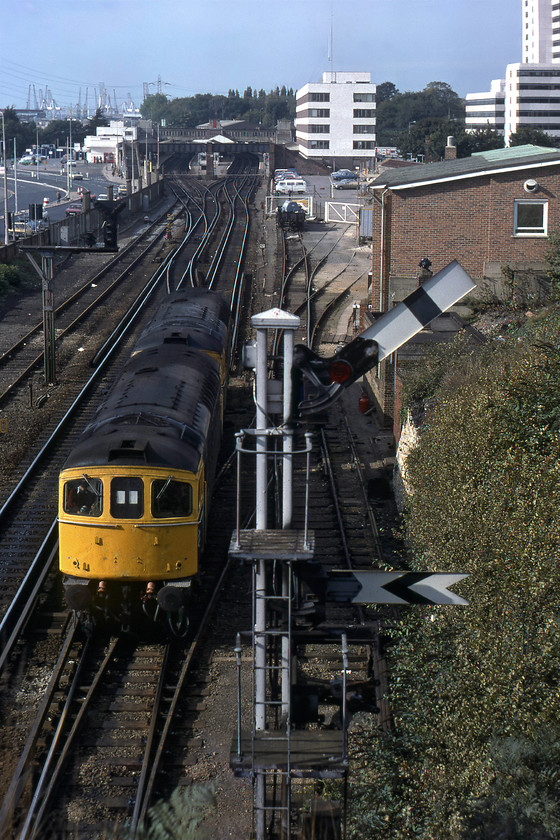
pixel 91 486
pixel 165 486
pixel 389 332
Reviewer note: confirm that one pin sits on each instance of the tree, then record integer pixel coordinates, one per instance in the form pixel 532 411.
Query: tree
pixel 58 132
pixel 485 139
pixel 398 112
pixel 98 120
pixel 23 133
pixel 446 99
pixel 154 107
pixel 385 91
pixel 525 134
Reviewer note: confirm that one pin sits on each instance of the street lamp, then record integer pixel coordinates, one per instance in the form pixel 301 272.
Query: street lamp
pixel 5 180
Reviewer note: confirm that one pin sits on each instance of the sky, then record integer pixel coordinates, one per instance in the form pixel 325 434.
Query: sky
pixel 212 46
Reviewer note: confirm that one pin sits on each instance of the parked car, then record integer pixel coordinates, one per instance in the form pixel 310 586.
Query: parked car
pixel 20 229
pixel 291 187
pixel 102 197
pixel 343 174
pixel 121 191
pixel 78 176
pixel 346 184
pixel 73 209
pixel 284 174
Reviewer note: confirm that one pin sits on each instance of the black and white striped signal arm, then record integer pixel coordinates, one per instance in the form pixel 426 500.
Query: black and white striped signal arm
pixel 387 334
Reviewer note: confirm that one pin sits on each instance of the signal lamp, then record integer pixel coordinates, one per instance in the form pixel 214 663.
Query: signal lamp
pixel 339 371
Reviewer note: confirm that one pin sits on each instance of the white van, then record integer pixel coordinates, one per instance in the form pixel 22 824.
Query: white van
pixel 293 186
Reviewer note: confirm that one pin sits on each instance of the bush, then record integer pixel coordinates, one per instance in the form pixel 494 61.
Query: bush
pixel 474 689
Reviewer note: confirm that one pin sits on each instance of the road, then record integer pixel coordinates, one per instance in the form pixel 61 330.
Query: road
pixel 33 186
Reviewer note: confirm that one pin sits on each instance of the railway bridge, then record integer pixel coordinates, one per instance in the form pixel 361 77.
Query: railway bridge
pixel 228 143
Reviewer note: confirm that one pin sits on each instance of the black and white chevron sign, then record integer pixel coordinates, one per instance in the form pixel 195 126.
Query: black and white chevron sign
pixel 415 312
pixel 376 587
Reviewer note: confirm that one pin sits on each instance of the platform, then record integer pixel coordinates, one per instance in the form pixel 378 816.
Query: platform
pixel 314 754
pixel 272 545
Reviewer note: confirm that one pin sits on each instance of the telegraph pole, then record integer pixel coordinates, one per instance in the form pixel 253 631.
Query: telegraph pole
pixel 5 181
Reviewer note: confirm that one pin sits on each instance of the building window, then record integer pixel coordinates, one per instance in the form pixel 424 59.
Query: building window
pixel 530 218
pixel 364 97
pixel 364 113
pixel 363 144
pixel 319 112
pixel 318 144
pixel 364 129
pixel 319 129
pixel 319 97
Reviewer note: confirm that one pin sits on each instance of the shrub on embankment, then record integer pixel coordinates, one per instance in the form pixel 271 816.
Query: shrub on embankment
pixel 475 689
pixel 16 278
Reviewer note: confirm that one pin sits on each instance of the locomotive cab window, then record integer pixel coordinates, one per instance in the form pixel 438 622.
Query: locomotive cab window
pixel 171 498
pixel 127 498
pixel 83 497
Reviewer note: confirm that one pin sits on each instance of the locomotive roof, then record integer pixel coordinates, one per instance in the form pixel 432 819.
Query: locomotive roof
pixel 159 412
pixel 194 317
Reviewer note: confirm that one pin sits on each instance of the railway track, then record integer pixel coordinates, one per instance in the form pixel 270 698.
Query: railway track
pixel 43 504
pixel 342 514
pixel 24 356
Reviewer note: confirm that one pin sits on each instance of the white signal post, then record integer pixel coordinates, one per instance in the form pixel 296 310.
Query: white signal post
pixel 274 319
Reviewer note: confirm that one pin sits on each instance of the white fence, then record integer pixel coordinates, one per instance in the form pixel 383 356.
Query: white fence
pixel 339 211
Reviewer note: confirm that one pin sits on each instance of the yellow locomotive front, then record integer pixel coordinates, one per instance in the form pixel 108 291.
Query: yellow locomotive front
pixel 138 525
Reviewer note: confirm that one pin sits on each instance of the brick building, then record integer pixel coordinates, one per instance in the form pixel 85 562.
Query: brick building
pixel 492 212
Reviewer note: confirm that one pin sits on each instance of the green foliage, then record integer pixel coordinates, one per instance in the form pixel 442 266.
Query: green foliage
pixel 58 132
pixel 421 380
pixel 474 690
pixel 525 134
pixel 552 258
pixel 97 121
pixel 16 278
pixel 254 106
pixel 416 114
pixel 177 818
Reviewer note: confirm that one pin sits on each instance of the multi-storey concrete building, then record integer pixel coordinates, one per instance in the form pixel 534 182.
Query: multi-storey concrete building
pixel 531 93
pixel 335 119
pixel 486 110
pixel 537 32
pixel 532 98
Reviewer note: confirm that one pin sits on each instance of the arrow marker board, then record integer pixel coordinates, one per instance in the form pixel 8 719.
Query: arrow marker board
pixel 376 587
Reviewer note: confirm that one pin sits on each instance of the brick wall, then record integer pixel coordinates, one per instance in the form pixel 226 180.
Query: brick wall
pixel 470 220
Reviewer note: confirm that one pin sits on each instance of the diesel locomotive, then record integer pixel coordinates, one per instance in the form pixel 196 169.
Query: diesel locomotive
pixel 135 489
